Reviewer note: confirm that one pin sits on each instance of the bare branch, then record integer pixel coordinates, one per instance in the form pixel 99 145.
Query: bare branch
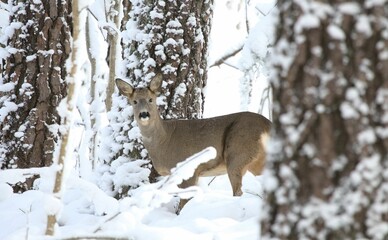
pixel 246 17
pixel 266 14
pixel 96 238
pixel 226 57
pixel 105 221
pixel 95 17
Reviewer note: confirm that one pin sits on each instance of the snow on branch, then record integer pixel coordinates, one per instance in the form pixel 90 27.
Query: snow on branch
pixel 13 176
pixel 153 195
pixel 185 170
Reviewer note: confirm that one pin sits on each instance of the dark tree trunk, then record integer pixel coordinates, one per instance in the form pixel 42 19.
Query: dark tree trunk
pixel 328 164
pixel 177 48
pixel 35 72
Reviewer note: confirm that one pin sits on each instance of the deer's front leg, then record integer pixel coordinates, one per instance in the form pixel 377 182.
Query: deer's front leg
pixel 185 184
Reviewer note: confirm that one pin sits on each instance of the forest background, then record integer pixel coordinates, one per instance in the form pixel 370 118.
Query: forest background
pixel 72 161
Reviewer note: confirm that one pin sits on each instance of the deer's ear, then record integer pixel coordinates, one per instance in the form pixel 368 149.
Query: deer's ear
pixel 156 83
pixel 124 87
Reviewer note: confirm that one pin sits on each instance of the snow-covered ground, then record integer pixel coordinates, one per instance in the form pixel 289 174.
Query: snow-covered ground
pixel 87 211
pixel 213 213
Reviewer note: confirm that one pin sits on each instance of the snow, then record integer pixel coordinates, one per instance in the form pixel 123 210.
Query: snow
pixel 156 15
pixel 6 87
pixel 363 25
pixel 6 109
pixel 306 21
pixel 367 136
pixel 6 191
pixel 85 210
pixel 350 8
pixel 335 32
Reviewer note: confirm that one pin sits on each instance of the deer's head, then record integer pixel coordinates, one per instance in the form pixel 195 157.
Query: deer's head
pixel 143 100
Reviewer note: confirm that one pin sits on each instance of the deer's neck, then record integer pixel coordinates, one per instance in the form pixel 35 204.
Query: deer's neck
pixel 154 132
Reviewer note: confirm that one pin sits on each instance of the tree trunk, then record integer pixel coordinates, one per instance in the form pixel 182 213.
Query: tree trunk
pixel 113 41
pixel 35 71
pixel 176 45
pixel 328 166
pixel 170 37
pixel 67 115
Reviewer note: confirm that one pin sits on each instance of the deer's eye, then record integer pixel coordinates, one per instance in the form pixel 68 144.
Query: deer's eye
pixel 135 102
pixel 150 100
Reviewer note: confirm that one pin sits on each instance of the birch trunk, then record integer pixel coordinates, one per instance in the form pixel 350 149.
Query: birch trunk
pixel 64 150
pixel 113 41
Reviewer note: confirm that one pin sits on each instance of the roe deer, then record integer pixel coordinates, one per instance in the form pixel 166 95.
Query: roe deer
pixel 239 138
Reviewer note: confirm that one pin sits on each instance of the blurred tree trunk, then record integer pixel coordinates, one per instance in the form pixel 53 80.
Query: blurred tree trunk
pixel 35 71
pixel 328 166
pixel 168 37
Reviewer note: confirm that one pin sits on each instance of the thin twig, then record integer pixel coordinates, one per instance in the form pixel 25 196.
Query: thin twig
pixel 184 190
pixel 99 27
pixel 28 221
pixel 226 57
pixel 211 180
pixel 253 193
pixel 266 14
pixel 105 221
pixel 246 16
pixel 96 237
pixel 265 95
pixel 232 66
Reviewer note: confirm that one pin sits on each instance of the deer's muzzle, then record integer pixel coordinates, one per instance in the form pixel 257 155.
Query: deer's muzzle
pixel 144 115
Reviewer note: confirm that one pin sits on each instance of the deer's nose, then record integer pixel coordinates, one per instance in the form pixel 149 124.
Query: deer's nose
pixel 144 115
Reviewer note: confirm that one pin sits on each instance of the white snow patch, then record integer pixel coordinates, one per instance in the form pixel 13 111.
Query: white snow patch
pixel 348 111
pixel 363 25
pixel 306 21
pixel 336 32
pixel 6 191
pixel 367 136
pixel 350 8
pixel 181 89
pixel 6 87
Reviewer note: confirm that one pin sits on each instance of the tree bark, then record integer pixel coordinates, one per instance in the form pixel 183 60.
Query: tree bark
pixel 177 47
pixel 69 102
pixel 35 68
pixel 113 42
pixel 327 172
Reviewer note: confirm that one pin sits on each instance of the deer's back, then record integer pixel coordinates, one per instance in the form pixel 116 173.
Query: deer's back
pixel 187 137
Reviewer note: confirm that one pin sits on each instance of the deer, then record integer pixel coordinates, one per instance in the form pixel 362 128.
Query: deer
pixel 239 138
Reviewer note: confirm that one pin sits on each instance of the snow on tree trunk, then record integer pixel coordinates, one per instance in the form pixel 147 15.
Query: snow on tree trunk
pixel 33 70
pixel 94 90
pixel 327 172
pixel 113 13
pixel 171 38
pixel 66 109
pixel 168 37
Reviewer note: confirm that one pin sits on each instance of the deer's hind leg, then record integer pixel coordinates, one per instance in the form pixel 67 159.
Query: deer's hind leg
pixel 242 152
pixel 237 165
